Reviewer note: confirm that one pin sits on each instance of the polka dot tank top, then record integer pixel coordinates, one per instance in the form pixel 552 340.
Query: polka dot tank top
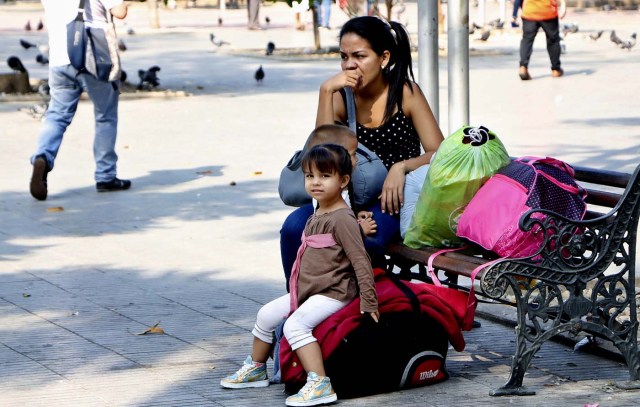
pixel 393 141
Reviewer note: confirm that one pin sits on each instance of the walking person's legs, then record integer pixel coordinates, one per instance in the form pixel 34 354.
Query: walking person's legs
pixel 253 10
pixel 105 110
pixel 551 29
pixel 529 31
pixel 517 4
pixel 65 91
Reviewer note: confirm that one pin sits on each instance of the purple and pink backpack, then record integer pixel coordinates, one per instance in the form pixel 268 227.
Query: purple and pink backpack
pixel 491 217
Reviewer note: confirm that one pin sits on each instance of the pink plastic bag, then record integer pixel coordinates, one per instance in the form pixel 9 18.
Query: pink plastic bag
pixel 491 218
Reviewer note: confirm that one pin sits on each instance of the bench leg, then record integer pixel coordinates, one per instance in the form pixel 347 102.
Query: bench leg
pixel 519 365
pixel 530 308
pixel 629 348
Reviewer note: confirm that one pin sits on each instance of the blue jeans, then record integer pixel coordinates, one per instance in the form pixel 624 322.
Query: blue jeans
pixel 66 87
pixel 324 12
pixel 293 226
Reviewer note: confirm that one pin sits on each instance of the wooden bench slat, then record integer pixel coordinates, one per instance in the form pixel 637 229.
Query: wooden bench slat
pixel 602 177
pixel 458 263
pixel 602 198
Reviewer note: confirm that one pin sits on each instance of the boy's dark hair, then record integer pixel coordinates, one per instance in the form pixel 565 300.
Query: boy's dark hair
pixel 329 158
pixel 331 134
pixel 387 36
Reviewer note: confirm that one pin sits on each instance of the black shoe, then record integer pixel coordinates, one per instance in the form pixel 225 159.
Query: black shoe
pixel 38 186
pixel 113 185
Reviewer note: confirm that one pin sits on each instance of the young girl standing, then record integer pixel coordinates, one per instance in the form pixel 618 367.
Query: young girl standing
pixel 331 269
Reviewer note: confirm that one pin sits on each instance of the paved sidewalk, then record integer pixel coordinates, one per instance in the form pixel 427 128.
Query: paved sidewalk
pixel 186 249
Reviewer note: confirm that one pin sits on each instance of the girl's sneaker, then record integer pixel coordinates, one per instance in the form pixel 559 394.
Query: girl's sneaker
pixel 316 391
pixel 249 375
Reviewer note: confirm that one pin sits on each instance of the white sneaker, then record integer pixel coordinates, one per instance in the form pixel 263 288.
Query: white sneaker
pixel 249 375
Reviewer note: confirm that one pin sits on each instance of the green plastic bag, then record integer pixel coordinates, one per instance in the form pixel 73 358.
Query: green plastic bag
pixel 464 161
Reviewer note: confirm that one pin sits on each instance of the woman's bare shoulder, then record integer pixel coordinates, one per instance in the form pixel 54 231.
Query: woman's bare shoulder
pixel 412 97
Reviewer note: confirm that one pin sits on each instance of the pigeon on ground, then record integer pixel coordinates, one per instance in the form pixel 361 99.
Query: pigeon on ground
pixel 27 44
pixel 43 48
pixel 497 23
pixel 15 64
pixel 476 26
pixel 42 59
pixel 629 44
pixel 121 46
pixel 27 27
pixel 270 48
pixel 36 110
pixel 614 38
pixel 485 34
pixel 259 75
pixel 43 88
pixel 219 20
pixel 40 26
pixel 596 36
pixel 570 28
pixel 267 20
pixel 148 78
pixel 216 42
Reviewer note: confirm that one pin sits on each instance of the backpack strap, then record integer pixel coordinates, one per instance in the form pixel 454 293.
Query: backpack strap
pixel 351 108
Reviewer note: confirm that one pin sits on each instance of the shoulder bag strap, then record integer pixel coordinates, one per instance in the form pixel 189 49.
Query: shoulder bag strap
pixel 80 16
pixel 351 108
pixel 413 298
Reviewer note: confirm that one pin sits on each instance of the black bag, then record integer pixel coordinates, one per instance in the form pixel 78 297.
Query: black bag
pixel 406 349
pixel 402 351
pixel 93 50
pixel 367 178
pixel 77 39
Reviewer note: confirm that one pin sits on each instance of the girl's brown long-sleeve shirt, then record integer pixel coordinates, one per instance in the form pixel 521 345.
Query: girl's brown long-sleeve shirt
pixel 340 271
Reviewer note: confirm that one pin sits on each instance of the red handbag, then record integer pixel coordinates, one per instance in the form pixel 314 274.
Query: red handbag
pixel 462 304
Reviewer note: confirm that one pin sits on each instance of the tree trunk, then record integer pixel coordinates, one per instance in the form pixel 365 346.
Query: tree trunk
pixel 440 18
pixel 316 30
pixel 154 17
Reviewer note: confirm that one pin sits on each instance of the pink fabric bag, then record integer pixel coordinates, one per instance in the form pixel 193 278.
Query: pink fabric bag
pixel 491 218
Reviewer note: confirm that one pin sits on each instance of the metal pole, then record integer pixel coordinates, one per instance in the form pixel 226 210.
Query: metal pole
pixel 458 61
pixel 428 78
pixel 503 10
pixel 482 14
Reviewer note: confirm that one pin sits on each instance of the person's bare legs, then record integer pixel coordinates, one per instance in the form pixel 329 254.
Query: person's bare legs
pixel 262 350
pixel 310 356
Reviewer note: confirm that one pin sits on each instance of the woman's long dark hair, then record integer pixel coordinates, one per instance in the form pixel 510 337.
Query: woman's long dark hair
pixel 392 37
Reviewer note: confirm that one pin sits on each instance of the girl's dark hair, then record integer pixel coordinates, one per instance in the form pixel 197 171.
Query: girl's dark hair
pixel 387 36
pixel 331 158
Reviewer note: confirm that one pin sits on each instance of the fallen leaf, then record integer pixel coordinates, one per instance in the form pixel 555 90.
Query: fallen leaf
pixel 55 209
pixel 207 172
pixel 257 173
pixel 125 147
pixel 155 329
